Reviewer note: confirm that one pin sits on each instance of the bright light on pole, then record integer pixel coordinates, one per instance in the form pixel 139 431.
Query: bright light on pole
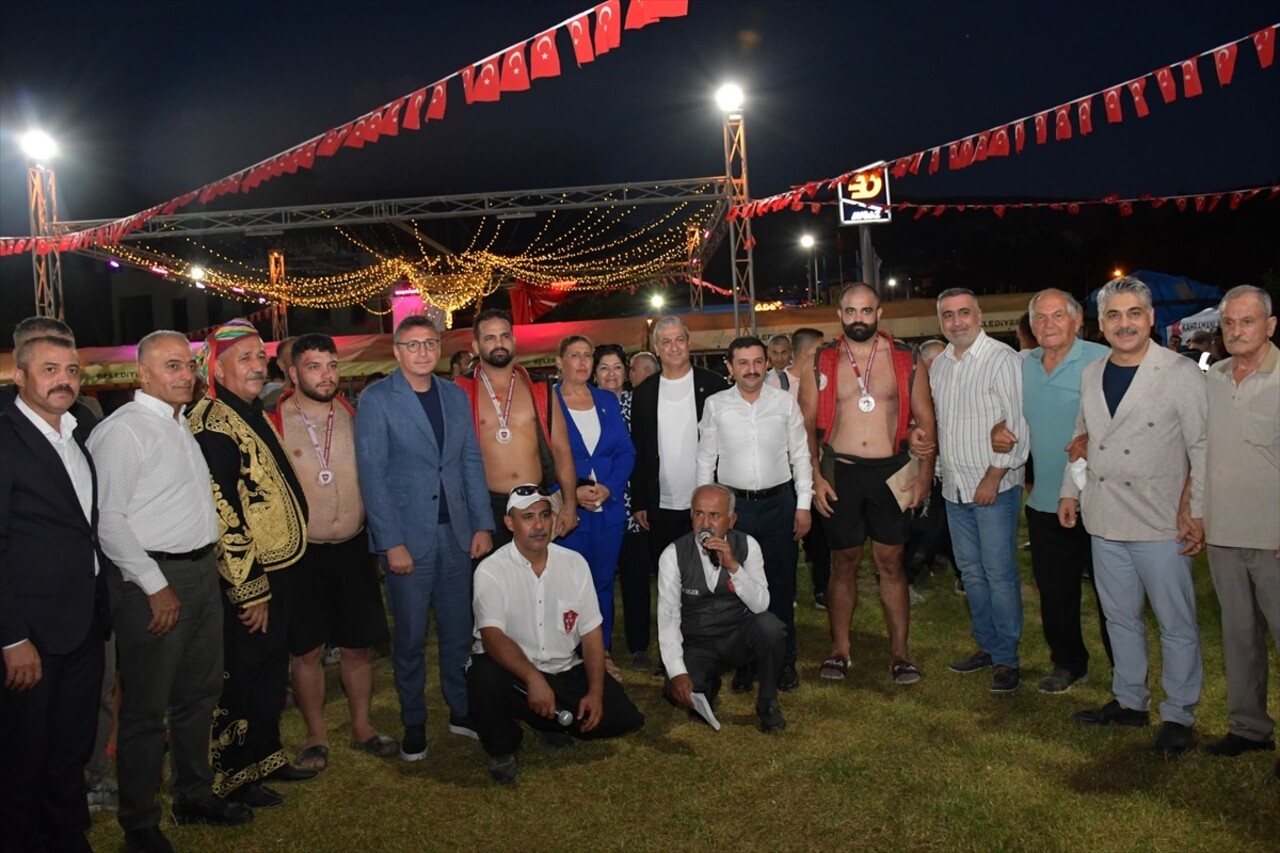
pixel 39 146
pixel 657 301
pixel 807 241
pixel 729 97
pixel 196 273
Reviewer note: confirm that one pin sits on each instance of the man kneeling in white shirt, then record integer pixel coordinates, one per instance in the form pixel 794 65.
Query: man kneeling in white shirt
pixel 713 605
pixel 535 603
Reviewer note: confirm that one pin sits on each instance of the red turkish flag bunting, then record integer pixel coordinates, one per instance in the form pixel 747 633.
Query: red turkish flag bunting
pixel 580 35
pixel 1200 204
pixel 306 156
pixel 1084 113
pixel 608 26
pixel 1236 198
pixel 953 156
pixel 413 109
pixel 391 118
pixel 468 75
pixel 966 153
pixel 488 86
pixel 980 150
pixel 1042 128
pixel 1265 43
pixel 915 163
pixel 1137 88
pixel 545 59
pixel 639 15
pixel 1182 204
pixel 1224 62
pixel 1191 78
pixel 900 167
pixel 1111 99
pixel 1062 123
pixel 435 109
pixel 939 210
pixel 515 74
pixel 1214 201
pixel 935 160
pixel 999 146
pixel 1168 89
pixel 998 210
pixel 1019 136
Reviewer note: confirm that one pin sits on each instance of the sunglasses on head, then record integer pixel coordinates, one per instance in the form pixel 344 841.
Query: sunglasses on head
pixel 528 489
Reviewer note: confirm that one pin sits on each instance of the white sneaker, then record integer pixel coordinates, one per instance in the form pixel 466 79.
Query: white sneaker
pixel 914 596
pixel 104 796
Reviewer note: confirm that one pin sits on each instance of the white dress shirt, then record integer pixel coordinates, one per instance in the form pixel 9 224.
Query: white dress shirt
pixel 545 616
pixel 748 583
pixel 774 380
pixel 153 489
pixel 971 395
pixel 677 441
pixel 754 446
pixel 64 444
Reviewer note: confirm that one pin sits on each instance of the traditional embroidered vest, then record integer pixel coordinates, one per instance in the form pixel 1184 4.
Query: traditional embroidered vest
pixel 827 363
pixel 707 614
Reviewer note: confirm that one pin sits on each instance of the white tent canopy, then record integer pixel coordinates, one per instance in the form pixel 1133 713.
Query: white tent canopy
pixel 1206 320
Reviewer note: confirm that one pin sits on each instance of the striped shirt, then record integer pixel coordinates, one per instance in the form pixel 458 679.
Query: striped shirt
pixel 971 395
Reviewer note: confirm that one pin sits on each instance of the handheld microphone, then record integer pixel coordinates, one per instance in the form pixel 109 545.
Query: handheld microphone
pixel 703 536
pixel 563 717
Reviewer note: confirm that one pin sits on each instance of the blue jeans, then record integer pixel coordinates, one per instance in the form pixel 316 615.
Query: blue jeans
pixel 984 540
pixel 442 578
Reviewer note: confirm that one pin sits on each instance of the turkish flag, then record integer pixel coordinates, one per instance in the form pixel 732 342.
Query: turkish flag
pixel 1191 78
pixel 391 118
pixel 1019 136
pixel 999 146
pixel 1265 42
pixel 488 86
pixel 608 26
pixel 935 160
pixel 1168 89
pixel 1137 88
pixel 307 155
pixel 1084 113
pixel 639 15
pixel 1182 204
pixel 435 109
pixel 468 75
pixel 915 162
pixel 1200 204
pixel 413 109
pixel 900 167
pixel 980 150
pixel 515 74
pixel 1073 208
pixel 1126 208
pixel 939 210
pixel 1062 123
pixel 1224 62
pixel 581 37
pixel 1236 198
pixel 953 156
pixel 998 210
pixel 1111 98
pixel 333 140
pixel 966 153
pixel 1214 200
pixel 1042 128
pixel 545 59
pixel 921 212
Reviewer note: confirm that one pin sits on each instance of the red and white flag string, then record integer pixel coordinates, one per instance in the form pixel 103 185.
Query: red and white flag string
pixel 508 70
pixel 1011 137
pixel 1195 202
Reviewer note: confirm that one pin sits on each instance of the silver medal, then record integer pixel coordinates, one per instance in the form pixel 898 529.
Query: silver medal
pixel 325 477
pixel 866 403
pixel 503 435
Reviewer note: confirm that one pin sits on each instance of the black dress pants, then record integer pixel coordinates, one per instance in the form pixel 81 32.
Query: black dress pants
pixel 759 641
pixel 1059 558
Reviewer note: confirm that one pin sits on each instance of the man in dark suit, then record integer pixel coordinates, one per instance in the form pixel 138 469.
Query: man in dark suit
pixel 52 605
pixel 35 327
pixel 428 515
pixel 665 411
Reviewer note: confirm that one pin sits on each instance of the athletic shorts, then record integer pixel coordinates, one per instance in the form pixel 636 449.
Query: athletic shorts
pixel 866 506
pixel 337 598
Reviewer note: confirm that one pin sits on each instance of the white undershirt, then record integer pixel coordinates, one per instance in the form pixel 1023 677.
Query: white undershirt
pixel 677 441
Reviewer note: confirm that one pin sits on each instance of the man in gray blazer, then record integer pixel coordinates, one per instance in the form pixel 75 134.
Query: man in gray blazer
pixel 1143 408
pixel 428 512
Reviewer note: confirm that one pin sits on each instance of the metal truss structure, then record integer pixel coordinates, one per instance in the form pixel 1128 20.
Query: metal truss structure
pixel 741 243
pixel 46 269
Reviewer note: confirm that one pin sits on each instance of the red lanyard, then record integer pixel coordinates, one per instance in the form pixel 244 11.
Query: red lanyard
pixel 871 360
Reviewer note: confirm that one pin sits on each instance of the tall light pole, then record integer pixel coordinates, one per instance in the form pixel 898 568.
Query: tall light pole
pixel 893 283
pixel 729 98
pixel 807 242
pixel 42 204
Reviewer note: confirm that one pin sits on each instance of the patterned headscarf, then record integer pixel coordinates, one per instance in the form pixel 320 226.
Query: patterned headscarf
pixel 222 339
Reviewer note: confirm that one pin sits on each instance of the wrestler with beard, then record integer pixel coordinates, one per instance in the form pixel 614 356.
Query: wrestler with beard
pixel 858 431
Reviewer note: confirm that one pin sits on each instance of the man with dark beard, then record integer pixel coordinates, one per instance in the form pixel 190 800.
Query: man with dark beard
pixel 858 411
pixel 339 598
pixel 522 440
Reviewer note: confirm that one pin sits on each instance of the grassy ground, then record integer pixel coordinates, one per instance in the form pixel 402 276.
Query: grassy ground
pixel 863 764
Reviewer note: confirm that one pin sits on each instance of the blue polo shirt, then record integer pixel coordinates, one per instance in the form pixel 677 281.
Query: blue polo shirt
pixel 1050 404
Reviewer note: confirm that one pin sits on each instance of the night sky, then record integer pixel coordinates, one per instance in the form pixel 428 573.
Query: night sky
pixel 151 99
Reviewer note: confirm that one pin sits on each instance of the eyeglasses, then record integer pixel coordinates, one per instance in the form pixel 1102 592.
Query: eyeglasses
pixel 527 489
pixel 431 344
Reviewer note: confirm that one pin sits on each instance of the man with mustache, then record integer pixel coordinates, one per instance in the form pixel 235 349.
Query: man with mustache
pixel 522 440
pixel 158 526
pixel 752 441
pixel 1241 506
pixel 859 402
pixel 262 521
pixel 338 596
pixel 535 606
pixel 1144 409
pixel 53 611
pixel 780 374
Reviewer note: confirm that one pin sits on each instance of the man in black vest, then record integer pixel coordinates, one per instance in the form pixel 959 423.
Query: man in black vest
pixel 713 614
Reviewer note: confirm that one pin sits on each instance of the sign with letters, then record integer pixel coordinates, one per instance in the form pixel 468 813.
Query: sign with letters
pixel 864 198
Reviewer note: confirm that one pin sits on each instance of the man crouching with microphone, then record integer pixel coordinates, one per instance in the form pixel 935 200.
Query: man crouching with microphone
pixel 534 604
pixel 713 613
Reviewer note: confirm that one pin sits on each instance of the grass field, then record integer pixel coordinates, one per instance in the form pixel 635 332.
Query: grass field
pixel 863 764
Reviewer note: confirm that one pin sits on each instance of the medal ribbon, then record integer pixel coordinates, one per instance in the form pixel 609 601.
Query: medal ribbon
pixel 311 431
pixel 503 412
pixel 862 383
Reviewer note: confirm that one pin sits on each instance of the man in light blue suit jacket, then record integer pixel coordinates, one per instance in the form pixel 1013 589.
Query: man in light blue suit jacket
pixel 424 490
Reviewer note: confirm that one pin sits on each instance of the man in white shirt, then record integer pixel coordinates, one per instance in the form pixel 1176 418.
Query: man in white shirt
pixel 713 612
pixel 158 526
pixel 752 441
pixel 780 374
pixel 535 604
pixel 977 382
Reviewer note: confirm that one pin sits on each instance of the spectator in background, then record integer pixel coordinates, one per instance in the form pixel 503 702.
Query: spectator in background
pixel 929 541
pixel 1199 349
pixel 278 380
pixel 643 365
pixel 1026 337
pixel 805 342
pixel 780 374
pixel 461 364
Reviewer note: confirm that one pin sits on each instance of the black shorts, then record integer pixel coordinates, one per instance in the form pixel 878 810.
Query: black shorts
pixel 337 598
pixel 866 506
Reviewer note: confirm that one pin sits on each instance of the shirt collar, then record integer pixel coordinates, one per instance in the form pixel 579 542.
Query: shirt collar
pixel 976 348
pixel 158 406
pixel 67 424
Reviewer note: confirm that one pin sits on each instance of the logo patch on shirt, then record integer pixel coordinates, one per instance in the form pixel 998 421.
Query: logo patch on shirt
pixel 691 592
pixel 570 618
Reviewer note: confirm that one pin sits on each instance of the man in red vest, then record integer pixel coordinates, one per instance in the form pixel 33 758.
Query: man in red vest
pixel 859 401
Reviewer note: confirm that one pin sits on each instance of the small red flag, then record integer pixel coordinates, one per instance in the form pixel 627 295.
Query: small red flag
pixel 1236 198
pixel 1200 204
pixel 639 15
pixel 545 59
pixel 1111 98
pixel 1182 204
pixel 900 167
pixel 1137 88
pixel 1126 208
pixel 953 156
pixel 921 211
pixel 915 162
pixel 1224 61
pixel 935 160
pixel 468 75
pixel 1214 201
pixel 581 38
pixel 980 150
pixel 966 153
pixel 333 140
pixel 307 155
pixel 1265 43
pixel 1042 128
pixel 608 26
pixel 938 211
pixel 999 146
pixel 1168 89
pixel 413 109
pixel 391 118
pixel 1084 114
pixel 998 210
pixel 1062 123
pixel 1191 78
pixel 488 86
pixel 515 74
pixel 1019 136
pixel 435 109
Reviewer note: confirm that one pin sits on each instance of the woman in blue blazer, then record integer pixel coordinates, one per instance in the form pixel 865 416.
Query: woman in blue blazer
pixel 603 457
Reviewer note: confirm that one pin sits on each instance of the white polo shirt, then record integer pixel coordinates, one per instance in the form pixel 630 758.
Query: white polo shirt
pixel 545 616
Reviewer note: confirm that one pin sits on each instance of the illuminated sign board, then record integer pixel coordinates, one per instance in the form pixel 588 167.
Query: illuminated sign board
pixel 864 198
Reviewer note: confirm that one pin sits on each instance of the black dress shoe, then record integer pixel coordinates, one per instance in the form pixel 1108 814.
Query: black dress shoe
pixel 211 810
pixel 292 773
pixel 256 795
pixel 1233 745
pixel 771 719
pixel 788 679
pixel 149 839
pixel 1174 739
pixel 743 679
pixel 1114 712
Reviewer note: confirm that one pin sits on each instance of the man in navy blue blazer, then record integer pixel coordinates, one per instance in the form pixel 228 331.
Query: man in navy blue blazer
pixel 428 511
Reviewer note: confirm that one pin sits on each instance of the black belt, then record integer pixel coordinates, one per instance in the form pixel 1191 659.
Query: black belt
pixel 748 495
pixel 187 556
